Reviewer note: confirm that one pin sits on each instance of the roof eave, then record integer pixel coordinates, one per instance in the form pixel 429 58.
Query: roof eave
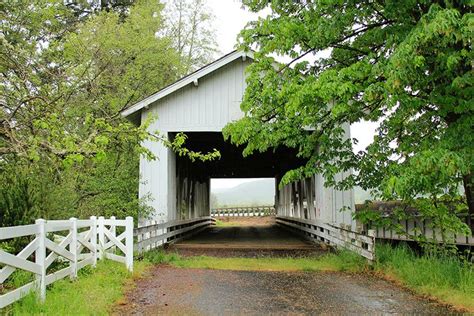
pixel 192 78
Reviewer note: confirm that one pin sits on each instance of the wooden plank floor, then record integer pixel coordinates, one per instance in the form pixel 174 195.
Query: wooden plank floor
pixel 246 234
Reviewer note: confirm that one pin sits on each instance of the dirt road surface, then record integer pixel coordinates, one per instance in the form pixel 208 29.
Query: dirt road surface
pixel 174 291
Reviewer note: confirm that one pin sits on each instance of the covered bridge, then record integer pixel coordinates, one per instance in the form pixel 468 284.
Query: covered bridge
pixel 200 105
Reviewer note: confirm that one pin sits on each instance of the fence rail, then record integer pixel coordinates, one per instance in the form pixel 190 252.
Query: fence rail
pixel 82 243
pixel 332 235
pixel 155 234
pixel 418 226
pixel 243 211
pixel 415 226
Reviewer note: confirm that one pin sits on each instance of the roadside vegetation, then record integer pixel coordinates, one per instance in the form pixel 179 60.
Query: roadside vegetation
pixel 447 279
pixel 94 292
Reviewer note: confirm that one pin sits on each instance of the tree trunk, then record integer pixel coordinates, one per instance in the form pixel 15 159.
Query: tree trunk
pixel 469 191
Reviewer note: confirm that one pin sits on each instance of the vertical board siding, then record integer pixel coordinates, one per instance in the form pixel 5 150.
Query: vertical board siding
pixel 207 107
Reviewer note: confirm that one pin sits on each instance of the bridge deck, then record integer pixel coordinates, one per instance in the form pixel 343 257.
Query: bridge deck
pixel 249 236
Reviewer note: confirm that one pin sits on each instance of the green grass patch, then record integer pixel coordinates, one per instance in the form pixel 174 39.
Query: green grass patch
pixel 93 293
pixel 220 223
pixel 341 261
pixel 447 278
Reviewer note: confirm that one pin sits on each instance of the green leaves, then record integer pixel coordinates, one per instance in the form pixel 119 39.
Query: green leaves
pixel 67 70
pixel 405 64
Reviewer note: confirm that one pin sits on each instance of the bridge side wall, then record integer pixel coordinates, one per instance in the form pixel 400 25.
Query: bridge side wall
pixel 207 107
pixel 310 199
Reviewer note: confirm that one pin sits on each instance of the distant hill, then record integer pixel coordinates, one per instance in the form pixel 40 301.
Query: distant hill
pixel 258 192
pixel 262 192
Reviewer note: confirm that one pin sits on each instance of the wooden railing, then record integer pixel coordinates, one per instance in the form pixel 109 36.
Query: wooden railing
pixel 418 226
pixel 155 234
pixel 243 211
pixel 332 235
pixel 76 242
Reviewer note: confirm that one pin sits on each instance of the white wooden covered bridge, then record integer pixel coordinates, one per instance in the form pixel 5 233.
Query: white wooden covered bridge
pixel 200 105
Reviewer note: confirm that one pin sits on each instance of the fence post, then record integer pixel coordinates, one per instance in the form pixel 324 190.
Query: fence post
pixel 371 247
pixel 73 248
pixel 129 242
pixel 40 259
pixel 100 230
pixel 94 239
pixel 113 230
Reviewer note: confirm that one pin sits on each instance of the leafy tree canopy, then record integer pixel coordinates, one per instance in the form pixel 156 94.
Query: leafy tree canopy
pixel 406 64
pixel 67 70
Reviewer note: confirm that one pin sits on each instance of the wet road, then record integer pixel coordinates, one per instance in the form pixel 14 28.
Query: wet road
pixel 173 291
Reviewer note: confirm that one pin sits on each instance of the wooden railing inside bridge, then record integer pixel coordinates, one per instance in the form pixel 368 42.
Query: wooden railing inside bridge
pixel 243 211
pixel 153 234
pixel 339 237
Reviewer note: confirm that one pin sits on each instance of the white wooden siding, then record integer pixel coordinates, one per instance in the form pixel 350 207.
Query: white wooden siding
pixel 208 107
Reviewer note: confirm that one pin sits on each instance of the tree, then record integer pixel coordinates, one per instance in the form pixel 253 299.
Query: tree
pixel 65 149
pixel 189 24
pixel 406 64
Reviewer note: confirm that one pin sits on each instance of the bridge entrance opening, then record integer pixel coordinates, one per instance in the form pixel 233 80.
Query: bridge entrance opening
pixel 229 193
pixel 192 184
pixel 245 212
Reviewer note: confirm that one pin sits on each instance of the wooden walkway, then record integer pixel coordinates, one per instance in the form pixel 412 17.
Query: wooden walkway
pixel 246 237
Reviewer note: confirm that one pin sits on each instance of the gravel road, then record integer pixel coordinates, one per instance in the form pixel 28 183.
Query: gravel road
pixel 173 291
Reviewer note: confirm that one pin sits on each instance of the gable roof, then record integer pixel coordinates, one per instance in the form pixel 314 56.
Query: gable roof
pixel 188 79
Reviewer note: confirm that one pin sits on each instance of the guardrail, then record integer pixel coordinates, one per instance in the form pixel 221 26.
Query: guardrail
pixel 332 235
pixel 415 226
pixel 156 234
pixel 419 226
pixel 82 242
pixel 243 211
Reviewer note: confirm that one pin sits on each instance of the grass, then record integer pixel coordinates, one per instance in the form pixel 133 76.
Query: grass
pixel 445 278
pixel 94 292
pixel 341 261
pixel 220 223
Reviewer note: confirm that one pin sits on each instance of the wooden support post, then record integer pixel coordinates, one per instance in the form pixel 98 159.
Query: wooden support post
pixel 101 235
pixel 40 259
pixel 73 248
pixel 113 230
pixel 371 246
pixel 94 239
pixel 129 242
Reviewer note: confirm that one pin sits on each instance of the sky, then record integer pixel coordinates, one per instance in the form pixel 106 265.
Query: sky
pixel 230 18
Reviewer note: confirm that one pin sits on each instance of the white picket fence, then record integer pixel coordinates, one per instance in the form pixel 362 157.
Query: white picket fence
pixel 84 242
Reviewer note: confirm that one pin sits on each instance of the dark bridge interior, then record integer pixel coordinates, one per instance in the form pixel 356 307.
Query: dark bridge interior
pixel 232 163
